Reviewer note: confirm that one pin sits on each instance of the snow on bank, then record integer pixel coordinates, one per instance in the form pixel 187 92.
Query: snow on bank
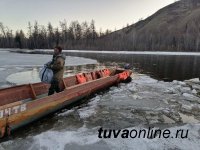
pixel 138 52
pixel 111 52
pixel 123 52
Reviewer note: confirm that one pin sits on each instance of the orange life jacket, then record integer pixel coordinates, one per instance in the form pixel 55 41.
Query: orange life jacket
pixel 81 78
pixel 124 75
pixel 106 72
pixel 127 73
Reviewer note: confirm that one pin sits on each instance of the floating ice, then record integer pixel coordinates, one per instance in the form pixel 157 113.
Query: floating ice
pixel 194 91
pixel 179 82
pixel 85 138
pixel 185 90
pixel 2 69
pixel 142 101
pixel 195 80
pixel 191 97
pixel 188 119
pixel 30 60
pixel 24 77
pixel 167 119
pixel 90 109
pixel 196 86
pixel 59 140
pixel 145 80
pixel 66 113
pixel 171 90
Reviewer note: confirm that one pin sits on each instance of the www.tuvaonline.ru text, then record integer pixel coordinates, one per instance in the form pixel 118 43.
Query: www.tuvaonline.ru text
pixel 142 133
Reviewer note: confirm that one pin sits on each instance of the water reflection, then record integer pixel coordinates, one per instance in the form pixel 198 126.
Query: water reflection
pixel 164 67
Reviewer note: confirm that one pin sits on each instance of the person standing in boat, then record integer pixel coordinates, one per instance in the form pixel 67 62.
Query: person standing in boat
pixel 57 65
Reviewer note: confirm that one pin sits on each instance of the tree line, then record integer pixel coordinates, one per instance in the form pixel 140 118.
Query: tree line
pixel 75 36
pixel 178 30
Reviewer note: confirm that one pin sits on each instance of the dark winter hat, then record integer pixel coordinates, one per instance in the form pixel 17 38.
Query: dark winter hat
pixel 59 48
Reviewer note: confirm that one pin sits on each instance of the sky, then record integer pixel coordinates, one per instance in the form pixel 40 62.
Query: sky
pixel 107 14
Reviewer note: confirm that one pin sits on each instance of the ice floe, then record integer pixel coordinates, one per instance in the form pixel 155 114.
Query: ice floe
pixel 85 138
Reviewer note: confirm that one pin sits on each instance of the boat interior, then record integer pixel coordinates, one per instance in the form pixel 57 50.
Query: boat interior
pixel 27 92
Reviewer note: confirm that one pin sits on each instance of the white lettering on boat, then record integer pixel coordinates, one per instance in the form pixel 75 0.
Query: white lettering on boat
pixel 12 110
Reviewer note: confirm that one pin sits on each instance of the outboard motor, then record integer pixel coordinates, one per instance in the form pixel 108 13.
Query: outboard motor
pixel 127 67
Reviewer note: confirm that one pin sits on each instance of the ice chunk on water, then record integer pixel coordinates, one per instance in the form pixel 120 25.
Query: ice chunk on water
pixel 188 119
pixel 194 91
pixel 175 81
pixel 171 90
pixel 179 83
pixel 2 69
pixel 58 140
pixel 186 108
pixel 196 86
pixel 84 138
pixel 145 80
pixel 24 77
pixel 90 109
pixel 191 97
pixel 185 90
pixel 195 80
pixel 66 113
pixel 167 119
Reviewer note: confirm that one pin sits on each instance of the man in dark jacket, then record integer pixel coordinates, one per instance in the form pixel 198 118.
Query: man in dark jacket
pixel 57 65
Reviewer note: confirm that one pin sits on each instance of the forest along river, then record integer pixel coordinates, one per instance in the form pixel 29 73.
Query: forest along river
pixel 142 103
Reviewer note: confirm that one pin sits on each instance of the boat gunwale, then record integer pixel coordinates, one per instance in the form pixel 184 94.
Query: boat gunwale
pixel 61 99
pixel 68 88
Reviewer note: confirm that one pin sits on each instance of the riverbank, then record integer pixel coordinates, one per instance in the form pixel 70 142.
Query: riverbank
pixel 50 51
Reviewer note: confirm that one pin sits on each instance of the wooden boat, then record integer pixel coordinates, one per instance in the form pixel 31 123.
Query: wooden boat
pixel 20 105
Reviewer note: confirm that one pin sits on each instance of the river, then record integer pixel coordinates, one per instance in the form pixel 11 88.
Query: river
pixel 147 101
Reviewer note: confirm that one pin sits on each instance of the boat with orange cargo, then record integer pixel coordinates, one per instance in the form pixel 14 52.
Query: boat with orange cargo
pixel 23 104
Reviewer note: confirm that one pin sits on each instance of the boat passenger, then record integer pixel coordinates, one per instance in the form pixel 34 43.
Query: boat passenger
pixel 57 65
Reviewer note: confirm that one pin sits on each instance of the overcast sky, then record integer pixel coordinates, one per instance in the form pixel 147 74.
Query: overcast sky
pixel 108 14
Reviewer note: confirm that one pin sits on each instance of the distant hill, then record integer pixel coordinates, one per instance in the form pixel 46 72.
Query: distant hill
pixel 175 27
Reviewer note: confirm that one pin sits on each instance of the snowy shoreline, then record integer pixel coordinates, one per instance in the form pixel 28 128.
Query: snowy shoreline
pixel 50 51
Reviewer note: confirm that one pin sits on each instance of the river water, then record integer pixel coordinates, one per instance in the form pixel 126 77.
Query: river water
pixel 167 66
pixel 147 101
